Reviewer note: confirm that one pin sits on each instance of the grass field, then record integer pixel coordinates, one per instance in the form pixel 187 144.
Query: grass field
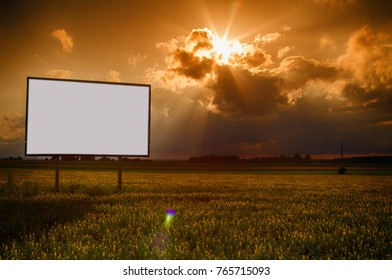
pixel 219 215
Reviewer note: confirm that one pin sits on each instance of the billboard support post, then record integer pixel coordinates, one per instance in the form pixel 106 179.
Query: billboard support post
pixel 119 174
pixel 57 174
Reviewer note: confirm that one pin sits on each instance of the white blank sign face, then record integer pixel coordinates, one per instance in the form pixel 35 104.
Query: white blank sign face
pixel 87 118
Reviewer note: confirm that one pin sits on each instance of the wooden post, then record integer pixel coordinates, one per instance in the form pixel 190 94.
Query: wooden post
pixel 57 174
pixel 119 174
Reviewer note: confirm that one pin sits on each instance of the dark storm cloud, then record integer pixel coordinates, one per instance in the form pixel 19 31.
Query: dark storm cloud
pixel 298 70
pixel 190 65
pixel 378 100
pixel 239 93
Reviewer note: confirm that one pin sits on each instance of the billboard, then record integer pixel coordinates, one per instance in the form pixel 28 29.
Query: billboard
pixel 72 117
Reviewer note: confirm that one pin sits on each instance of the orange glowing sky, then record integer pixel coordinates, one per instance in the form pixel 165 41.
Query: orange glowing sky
pixel 249 78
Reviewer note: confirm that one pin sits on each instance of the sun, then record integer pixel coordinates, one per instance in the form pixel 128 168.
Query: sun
pixel 205 43
pixel 224 48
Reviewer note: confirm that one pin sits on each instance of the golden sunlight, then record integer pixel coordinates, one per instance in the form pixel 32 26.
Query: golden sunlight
pixel 205 43
pixel 225 48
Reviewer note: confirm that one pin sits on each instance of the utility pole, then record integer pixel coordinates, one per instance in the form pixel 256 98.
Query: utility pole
pixel 342 169
pixel 341 151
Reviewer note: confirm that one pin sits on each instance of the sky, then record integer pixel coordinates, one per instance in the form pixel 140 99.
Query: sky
pixel 248 78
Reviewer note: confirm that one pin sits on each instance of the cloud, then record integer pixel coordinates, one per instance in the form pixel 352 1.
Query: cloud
pixel 251 56
pixel 200 40
pixel 377 101
pixel 385 123
pixel 198 55
pixel 65 40
pixel 327 41
pixel 244 85
pixel 239 93
pixel 11 128
pixel 257 102
pixel 196 60
pixel 193 57
pixel 191 65
pixel 267 38
pixel 283 51
pixel 113 76
pixel 286 28
pixel 170 80
pixel 249 84
pixel 59 73
pixel 368 58
pixel 189 62
pixel 133 60
pixel 298 70
pixel 367 65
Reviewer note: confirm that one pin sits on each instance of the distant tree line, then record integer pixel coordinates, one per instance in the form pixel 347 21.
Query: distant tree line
pixel 284 158
pixel 369 159
pixel 214 158
pixel 276 159
pixel 13 158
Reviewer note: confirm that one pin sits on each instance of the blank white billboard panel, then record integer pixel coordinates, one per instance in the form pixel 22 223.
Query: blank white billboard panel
pixel 69 117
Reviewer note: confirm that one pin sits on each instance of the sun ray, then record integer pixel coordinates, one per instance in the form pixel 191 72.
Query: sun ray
pixel 208 16
pixel 233 10
pixel 234 6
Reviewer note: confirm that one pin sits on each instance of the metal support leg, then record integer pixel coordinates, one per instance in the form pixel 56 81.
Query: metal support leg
pixel 119 174
pixel 57 174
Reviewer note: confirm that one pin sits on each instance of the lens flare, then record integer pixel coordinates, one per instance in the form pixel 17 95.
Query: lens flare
pixel 170 214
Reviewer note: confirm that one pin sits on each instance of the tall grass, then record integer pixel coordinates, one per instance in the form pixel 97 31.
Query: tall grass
pixel 218 216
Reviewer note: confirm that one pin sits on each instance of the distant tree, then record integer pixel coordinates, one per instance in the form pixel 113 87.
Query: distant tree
pixel 214 158
pixel 297 157
pixel 283 158
pixel 15 158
